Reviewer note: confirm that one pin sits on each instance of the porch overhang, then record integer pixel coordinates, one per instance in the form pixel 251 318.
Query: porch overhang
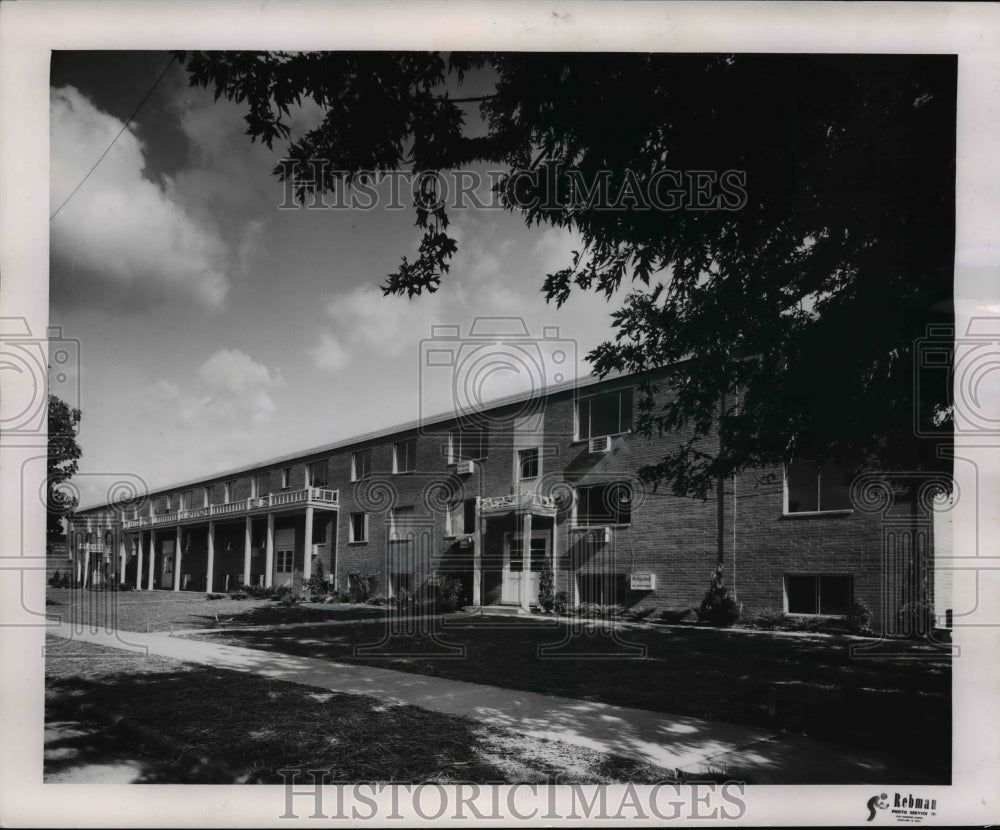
pixel 524 502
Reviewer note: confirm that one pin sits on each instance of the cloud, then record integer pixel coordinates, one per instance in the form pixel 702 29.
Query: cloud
pixel 120 231
pixel 238 386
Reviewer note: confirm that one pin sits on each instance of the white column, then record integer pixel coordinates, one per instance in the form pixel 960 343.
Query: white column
pixel 526 561
pixel 177 558
pixel 246 550
pixel 477 560
pixel 555 555
pixel 152 557
pixel 269 553
pixel 86 565
pixel 140 552
pixel 122 557
pixel 211 557
pixel 307 554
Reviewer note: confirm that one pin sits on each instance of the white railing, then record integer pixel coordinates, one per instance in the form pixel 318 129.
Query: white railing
pixel 517 501
pixel 289 497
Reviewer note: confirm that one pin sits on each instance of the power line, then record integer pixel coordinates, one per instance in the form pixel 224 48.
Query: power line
pixel 112 144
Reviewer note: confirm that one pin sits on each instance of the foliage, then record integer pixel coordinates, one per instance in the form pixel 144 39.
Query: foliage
pixel 448 594
pixel 316 585
pixel 360 588
pixel 673 616
pixel 596 610
pixel 238 595
pixel 215 596
pixel 638 615
pixel 804 290
pixel 915 618
pixel 859 618
pixel 769 619
pixel 59 580
pixel 256 591
pixel 560 602
pixel 719 607
pixel 546 586
pixel 63 461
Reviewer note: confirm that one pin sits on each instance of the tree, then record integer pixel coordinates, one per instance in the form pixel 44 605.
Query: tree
pixel 64 455
pixel 785 223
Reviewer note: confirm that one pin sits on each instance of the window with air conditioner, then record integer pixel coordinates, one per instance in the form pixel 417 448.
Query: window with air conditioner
pixel 404 456
pixel 600 505
pixel 819 594
pixel 361 464
pixel 604 415
pixel 468 444
pixel 812 487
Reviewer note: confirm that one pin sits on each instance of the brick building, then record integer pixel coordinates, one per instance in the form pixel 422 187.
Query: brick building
pixel 496 497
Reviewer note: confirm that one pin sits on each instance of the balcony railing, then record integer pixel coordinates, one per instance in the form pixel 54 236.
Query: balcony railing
pixel 308 495
pixel 523 501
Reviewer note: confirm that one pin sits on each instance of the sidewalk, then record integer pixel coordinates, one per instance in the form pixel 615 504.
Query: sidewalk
pixel 674 742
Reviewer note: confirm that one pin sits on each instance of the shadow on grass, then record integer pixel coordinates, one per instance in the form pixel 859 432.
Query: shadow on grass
pixel 226 616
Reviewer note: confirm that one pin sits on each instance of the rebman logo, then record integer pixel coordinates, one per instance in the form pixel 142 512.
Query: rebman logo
pixel 907 808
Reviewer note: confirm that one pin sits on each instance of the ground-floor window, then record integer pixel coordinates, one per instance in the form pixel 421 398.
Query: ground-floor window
pixel 604 504
pixel 819 593
pixel 601 588
pixel 359 527
pixel 284 561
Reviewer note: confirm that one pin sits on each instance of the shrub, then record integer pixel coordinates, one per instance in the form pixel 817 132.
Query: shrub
pixel 449 594
pixel 337 596
pixel 256 591
pixel 673 616
pixel 214 596
pixel 859 618
pixel 360 588
pixel 638 616
pixel 315 585
pixel 546 587
pixel 915 618
pixel 377 599
pixel 560 602
pixel 719 607
pixel 238 595
pixel 56 580
pixel 769 619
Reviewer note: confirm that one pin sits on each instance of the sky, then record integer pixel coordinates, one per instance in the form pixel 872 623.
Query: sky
pixel 216 329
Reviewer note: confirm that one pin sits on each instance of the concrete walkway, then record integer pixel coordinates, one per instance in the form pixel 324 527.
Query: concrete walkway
pixel 675 742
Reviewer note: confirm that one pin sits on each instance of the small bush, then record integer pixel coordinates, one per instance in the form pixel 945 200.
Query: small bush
pixel 56 580
pixel 337 596
pixel 674 616
pixel 859 618
pixel 560 602
pixel 769 619
pixel 638 616
pixel 448 596
pixel 360 588
pixel 719 607
pixel 596 610
pixel 238 595
pixel 546 588
pixel 378 599
pixel 215 596
pixel 256 591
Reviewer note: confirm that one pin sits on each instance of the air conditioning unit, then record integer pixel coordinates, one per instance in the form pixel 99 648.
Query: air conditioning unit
pixel 464 468
pixel 599 445
pixel 601 534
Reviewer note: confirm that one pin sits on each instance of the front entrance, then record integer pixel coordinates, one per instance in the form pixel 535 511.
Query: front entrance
pixel 167 575
pixel 515 578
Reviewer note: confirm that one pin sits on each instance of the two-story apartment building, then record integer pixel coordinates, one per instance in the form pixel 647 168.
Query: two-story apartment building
pixel 498 496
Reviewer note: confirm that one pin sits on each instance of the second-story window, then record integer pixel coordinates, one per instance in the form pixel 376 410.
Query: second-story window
pixel 317 474
pixel 811 487
pixel 604 504
pixel 361 464
pixel 206 496
pixel 261 485
pixel 404 455
pixel 602 415
pixel 187 500
pixel 527 464
pixel 468 444
pixel 286 478
pixel 230 489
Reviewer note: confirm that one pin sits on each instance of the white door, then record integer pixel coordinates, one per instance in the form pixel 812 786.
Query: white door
pixel 284 563
pixel 167 579
pixel 515 578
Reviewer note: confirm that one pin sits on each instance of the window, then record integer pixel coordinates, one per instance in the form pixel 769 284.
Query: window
pixel 607 414
pixel 175 502
pixel 284 561
pixel 187 500
pixel 819 594
pixel 538 560
pixel 207 495
pixel 604 504
pixel 286 478
pixel 527 464
pixel 261 485
pixel 361 464
pixel 317 474
pixel 319 531
pixel 400 523
pixel 404 456
pixel 230 490
pixel 461 519
pixel 813 488
pixel 359 527
pixel 468 444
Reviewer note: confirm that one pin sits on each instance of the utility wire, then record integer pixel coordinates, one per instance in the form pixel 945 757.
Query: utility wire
pixel 112 144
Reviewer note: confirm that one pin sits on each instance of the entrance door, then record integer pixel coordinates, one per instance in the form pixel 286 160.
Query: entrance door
pixel 515 578
pixel 284 563
pixel 167 577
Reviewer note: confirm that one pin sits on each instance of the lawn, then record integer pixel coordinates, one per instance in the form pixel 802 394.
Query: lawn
pixel 257 727
pixel 170 611
pixel 803 684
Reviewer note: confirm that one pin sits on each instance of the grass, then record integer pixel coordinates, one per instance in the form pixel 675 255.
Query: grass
pixel 805 684
pixel 259 728
pixel 167 610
